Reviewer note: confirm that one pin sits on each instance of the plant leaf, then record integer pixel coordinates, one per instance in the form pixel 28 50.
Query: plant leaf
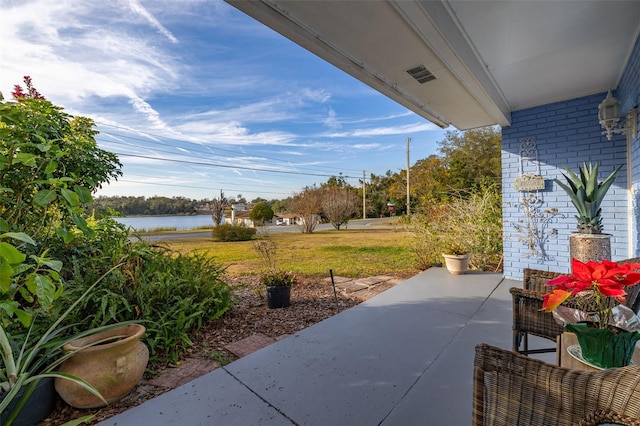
pixel 71 197
pixel 83 193
pixel 11 254
pixel 20 236
pixel 6 275
pixel 80 420
pixel 44 197
pixel 51 167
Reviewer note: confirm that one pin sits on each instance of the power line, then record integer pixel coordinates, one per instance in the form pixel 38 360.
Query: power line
pixel 189 156
pixel 199 187
pixel 227 166
pixel 184 141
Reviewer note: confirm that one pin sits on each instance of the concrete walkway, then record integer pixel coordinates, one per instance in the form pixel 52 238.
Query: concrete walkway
pixel 404 357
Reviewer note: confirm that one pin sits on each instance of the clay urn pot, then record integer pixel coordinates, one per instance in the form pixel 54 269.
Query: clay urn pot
pixel 113 367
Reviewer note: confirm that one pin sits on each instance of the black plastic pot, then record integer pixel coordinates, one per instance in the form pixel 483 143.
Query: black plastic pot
pixel 37 408
pixel 278 296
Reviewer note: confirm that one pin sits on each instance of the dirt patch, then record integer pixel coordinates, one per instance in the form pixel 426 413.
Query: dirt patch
pixel 311 302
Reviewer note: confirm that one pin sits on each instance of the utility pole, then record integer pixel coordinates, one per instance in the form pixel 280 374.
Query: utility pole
pixel 408 166
pixel 364 196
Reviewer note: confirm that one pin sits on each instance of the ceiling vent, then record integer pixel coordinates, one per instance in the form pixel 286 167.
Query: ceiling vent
pixel 421 74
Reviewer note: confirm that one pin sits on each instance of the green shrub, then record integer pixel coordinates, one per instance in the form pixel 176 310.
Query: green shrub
pixel 52 252
pixel 172 294
pixel 278 278
pixel 228 232
pixel 473 220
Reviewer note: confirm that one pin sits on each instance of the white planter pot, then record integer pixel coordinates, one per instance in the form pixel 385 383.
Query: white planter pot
pixel 457 264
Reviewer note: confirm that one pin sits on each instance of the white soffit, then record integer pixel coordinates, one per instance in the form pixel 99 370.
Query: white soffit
pixel 541 51
pixel 488 57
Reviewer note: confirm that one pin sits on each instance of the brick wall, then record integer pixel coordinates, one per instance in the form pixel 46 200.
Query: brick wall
pixel 566 134
pixel 629 95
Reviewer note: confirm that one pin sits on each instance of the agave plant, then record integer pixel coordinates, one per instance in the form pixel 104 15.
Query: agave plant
pixel 586 194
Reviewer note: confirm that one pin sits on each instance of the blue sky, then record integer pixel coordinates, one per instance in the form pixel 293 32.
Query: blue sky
pixel 196 97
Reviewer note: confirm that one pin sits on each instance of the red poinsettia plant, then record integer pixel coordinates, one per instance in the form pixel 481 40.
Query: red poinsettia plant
pixel 601 284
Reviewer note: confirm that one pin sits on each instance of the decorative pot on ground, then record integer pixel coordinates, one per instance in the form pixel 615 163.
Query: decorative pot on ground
pixel 278 296
pixel 113 367
pixel 457 264
pixel 604 347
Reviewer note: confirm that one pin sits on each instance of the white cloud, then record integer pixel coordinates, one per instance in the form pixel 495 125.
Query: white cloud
pixel 152 115
pixel 137 8
pixel 366 146
pixel 318 95
pixel 88 56
pixel 332 121
pixel 403 129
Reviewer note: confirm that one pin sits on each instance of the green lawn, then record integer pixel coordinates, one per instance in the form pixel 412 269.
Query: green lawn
pixel 353 253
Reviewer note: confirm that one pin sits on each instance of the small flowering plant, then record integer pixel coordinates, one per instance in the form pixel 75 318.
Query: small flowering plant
pixel 599 284
pixel 278 278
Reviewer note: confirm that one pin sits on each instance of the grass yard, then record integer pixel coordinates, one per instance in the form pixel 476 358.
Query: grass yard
pixel 352 253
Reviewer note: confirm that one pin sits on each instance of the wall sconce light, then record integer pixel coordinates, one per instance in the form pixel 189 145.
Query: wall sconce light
pixel 609 112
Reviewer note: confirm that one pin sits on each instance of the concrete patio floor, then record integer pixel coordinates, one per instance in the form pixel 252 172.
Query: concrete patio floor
pixel 404 357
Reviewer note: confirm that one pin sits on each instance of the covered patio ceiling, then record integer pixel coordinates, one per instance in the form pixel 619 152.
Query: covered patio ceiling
pixel 464 63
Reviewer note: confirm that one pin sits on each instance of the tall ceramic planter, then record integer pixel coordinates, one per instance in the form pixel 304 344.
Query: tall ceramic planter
pixel 585 247
pixel 113 368
pixel 457 264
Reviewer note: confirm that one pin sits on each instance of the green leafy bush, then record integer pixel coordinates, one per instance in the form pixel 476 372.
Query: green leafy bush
pixel 173 294
pixel 472 220
pixel 51 251
pixel 49 165
pixel 228 232
pixel 278 278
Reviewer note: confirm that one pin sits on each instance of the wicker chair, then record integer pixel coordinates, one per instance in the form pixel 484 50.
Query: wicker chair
pixel 528 317
pixel 512 389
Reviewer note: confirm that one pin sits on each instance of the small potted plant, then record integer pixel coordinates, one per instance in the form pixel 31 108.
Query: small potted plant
pixel 278 283
pixel 598 288
pixel 456 257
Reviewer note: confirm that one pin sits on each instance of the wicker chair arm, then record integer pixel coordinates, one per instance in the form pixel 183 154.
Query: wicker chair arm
pixel 535 279
pixel 512 389
pixel 528 317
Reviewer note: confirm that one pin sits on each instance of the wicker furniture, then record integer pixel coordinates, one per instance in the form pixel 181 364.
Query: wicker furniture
pixel 528 317
pixel 512 389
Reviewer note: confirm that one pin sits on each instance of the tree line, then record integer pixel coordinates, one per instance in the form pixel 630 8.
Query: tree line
pixel 151 206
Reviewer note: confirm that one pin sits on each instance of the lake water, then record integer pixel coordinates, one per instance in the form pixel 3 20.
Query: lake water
pixel 140 223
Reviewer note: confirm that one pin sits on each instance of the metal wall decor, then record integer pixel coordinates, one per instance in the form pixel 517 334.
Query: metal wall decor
pixel 528 160
pixel 534 226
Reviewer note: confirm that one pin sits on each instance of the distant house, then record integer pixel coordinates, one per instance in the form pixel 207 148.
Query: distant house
pixel 240 217
pixel 292 219
pixel 287 219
